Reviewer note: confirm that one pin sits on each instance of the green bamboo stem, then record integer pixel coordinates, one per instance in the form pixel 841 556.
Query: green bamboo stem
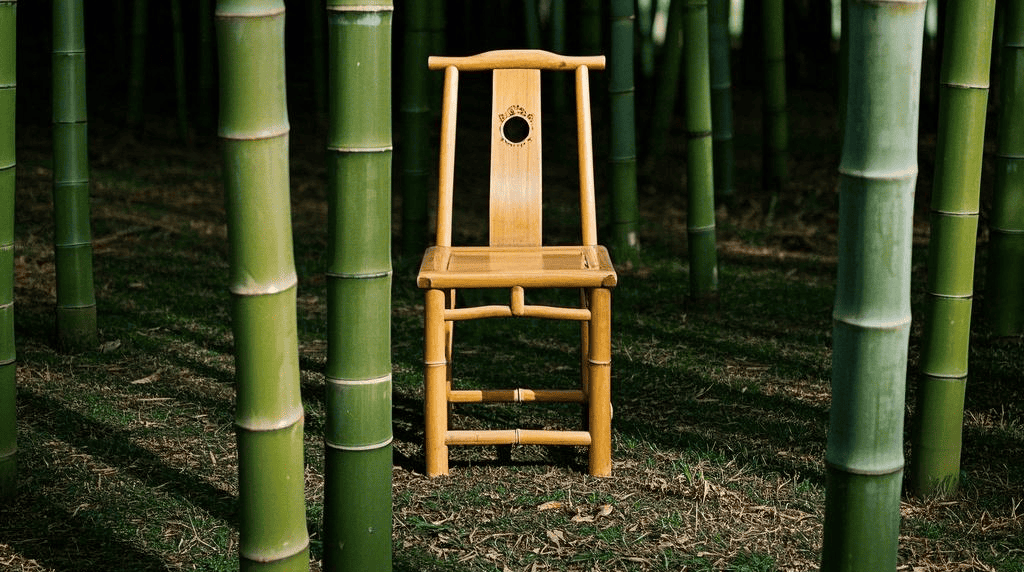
pixel 645 35
pixel 268 412
pixel 137 71
pixel 871 318
pixel 531 22
pixel 622 148
pixel 590 27
pixel 357 482
pixel 178 34
pixel 316 59
pixel 775 130
pixel 8 390
pixel 558 32
pixel 76 300
pixel 207 97
pixel 721 97
pixel 667 85
pixel 963 99
pixel 1004 290
pixel 437 46
pixel 415 113
pixel 700 215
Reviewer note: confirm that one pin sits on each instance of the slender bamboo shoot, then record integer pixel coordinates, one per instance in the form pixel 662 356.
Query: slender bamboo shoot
pixel 622 150
pixel 8 390
pixel 700 215
pixel 775 130
pixel 76 300
pixel 721 97
pixel 415 110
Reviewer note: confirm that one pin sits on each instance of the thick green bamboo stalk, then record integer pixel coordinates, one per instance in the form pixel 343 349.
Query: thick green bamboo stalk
pixel 357 481
pixel 415 113
pixel 179 69
pixel 1005 281
pixel 268 411
pixel 622 148
pixel 700 191
pixel 775 132
pixel 721 97
pixel 137 71
pixel 76 300
pixel 871 319
pixel 963 99
pixel 667 82
pixel 8 89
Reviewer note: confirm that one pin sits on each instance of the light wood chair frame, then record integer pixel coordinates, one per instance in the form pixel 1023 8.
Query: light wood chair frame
pixel 516 259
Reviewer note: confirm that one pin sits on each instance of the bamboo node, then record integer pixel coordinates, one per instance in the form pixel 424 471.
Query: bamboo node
pixel 370 447
pixel 372 381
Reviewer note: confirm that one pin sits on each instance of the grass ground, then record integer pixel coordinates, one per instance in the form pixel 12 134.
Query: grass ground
pixel 127 454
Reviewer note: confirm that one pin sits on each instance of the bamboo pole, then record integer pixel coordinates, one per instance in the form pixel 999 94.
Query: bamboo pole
pixel 645 36
pixel 76 300
pixel 622 149
pixel 416 116
pixel 721 97
pixel 8 390
pixel 1005 280
pixel 963 99
pixel 318 72
pixel 268 412
pixel 558 33
pixel 590 27
pixel 179 69
pixel 775 132
pixel 700 215
pixel 207 97
pixel 667 82
pixel 137 71
pixel 871 319
pixel 357 487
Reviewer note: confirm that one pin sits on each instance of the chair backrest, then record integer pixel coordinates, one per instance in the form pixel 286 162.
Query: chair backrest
pixel 515 175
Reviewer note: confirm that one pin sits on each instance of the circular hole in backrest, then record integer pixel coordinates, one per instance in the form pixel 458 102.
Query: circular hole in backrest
pixel 515 129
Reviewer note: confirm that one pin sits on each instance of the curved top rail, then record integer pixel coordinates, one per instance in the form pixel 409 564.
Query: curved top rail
pixel 516 59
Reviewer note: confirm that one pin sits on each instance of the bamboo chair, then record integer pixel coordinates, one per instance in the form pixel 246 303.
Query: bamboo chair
pixel 515 259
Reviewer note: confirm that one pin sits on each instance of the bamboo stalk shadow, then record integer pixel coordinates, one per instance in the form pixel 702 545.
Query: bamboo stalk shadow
pixel 39 529
pixel 116 448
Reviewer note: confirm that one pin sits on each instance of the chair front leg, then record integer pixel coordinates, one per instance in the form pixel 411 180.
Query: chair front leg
pixel 436 383
pixel 599 382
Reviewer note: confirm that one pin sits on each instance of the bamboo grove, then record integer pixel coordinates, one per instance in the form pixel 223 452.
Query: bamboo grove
pixel 76 299
pixel 268 410
pixel 871 320
pixel 871 316
pixel 357 488
pixel 8 410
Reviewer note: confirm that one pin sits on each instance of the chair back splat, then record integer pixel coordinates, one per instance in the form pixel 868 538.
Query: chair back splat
pixel 516 259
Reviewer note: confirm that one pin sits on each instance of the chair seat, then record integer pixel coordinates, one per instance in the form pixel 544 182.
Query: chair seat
pixel 508 266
